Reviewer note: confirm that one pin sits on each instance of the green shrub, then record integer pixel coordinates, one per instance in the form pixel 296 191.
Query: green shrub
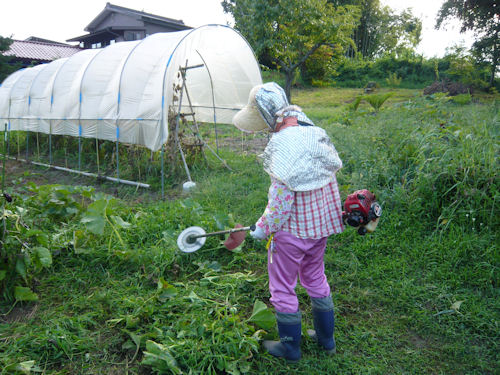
pixel 464 69
pixel 271 75
pixel 318 67
pixel 357 101
pixel 375 100
pixel 393 80
pixel 320 83
pixel 461 99
pixel 414 71
pixel 452 174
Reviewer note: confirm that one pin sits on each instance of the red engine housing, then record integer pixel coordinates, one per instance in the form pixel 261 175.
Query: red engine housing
pixel 360 208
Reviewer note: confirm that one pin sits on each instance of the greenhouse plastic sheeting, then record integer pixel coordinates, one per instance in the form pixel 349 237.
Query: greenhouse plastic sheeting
pixel 124 92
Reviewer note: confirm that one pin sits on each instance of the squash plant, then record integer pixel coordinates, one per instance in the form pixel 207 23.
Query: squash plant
pixel 32 225
pixel 24 250
pixel 43 221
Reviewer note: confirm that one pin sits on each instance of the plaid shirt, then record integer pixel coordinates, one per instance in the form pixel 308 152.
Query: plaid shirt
pixel 305 214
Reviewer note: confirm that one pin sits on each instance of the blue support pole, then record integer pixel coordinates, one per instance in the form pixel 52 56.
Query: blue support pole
pixel 4 232
pixel 162 175
pixel 3 168
pixel 79 147
pixel 50 143
pixel 162 124
pixel 117 154
pixel 27 143
pixel 8 139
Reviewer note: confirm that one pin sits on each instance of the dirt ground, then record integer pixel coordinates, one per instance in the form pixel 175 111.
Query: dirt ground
pixel 19 173
pixel 245 144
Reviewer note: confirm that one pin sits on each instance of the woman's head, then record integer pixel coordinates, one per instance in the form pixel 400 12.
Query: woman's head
pixel 264 102
pixel 267 106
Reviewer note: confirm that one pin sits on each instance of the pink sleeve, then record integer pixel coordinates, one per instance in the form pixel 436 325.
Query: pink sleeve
pixel 279 207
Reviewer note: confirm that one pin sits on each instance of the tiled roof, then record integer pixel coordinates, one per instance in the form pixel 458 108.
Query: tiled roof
pixel 38 39
pixel 23 49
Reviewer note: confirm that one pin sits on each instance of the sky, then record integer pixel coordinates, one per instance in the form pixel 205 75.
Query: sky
pixel 60 20
pixel 434 42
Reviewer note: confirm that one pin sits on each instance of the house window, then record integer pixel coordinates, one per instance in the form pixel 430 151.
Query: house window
pixel 133 35
pixel 82 44
pixel 112 41
pixel 128 35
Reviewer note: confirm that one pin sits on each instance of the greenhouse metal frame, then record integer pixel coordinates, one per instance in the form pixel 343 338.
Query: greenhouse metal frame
pixel 123 93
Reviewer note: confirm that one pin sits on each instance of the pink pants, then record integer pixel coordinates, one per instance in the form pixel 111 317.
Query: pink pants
pixel 289 257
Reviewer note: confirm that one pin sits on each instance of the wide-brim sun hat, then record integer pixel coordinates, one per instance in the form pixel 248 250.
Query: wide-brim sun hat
pixel 249 118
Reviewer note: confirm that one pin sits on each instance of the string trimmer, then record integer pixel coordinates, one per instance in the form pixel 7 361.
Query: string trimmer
pixel 193 238
pixel 362 211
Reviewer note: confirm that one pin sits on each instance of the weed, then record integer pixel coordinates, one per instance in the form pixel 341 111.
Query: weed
pixel 462 99
pixel 377 100
pixel 393 80
pixel 419 295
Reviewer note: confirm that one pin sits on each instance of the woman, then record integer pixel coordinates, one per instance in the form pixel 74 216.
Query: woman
pixel 303 209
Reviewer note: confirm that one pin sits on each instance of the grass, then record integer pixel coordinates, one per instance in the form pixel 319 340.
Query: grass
pixel 419 295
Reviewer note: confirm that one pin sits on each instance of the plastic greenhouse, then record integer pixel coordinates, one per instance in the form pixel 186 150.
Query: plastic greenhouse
pixel 123 93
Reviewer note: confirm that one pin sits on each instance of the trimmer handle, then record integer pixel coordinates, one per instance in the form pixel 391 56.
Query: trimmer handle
pixel 251 227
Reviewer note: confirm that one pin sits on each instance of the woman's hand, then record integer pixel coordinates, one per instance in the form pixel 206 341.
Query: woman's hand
pixel 258 233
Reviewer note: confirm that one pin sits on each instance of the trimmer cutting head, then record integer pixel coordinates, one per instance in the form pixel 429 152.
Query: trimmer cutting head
pixel 235 239
pixel 192 238
pixel 187 244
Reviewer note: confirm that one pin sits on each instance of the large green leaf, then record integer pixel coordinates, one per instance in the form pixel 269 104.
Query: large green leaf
pixel 41 237
pixel 95 216
pixel 262 316
pixel 98 207
pixel 159 357
pixel 120 222
pixel 166 290
pixel 94 223
pixel 21 268
pixel 21 367
pixel 43 256
pixel 223 220
pixel 3 273
pixel 22 293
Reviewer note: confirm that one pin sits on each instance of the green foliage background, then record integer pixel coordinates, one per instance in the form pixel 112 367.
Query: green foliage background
pixel 6 67
pixel 415 71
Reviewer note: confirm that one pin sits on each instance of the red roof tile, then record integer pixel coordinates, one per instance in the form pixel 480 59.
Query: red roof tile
pixel 40 51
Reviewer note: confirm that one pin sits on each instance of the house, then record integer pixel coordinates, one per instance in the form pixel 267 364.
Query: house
pixel 114 24
pixel 33 51
pixel 117 24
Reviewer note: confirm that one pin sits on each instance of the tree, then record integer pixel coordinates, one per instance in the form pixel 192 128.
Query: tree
pixel 5 67
pixel 289 32
pixel 381 30
pixel 483 18
pixel 399 34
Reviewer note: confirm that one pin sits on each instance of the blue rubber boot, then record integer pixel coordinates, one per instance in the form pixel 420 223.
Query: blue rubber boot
pixel 324 323
pixel 289 329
